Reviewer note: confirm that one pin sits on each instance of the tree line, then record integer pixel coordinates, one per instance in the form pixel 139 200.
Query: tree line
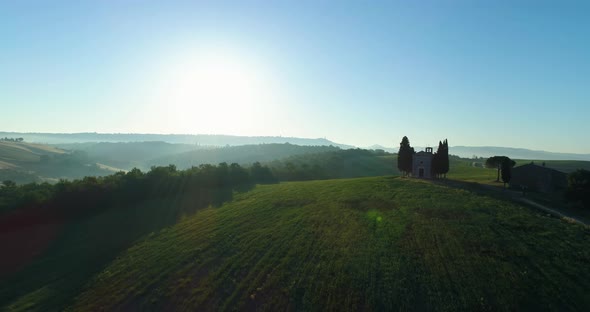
pixel 12 139
pixel 337 164
pixel 332 164
pixel 208 184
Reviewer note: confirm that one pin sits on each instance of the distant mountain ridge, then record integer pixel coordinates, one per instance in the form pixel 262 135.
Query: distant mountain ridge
pixel 214 140
pixel 198 139
pixel 514 153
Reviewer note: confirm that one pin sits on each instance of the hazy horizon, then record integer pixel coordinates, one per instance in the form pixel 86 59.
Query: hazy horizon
pixel 388 147
pixel 477 73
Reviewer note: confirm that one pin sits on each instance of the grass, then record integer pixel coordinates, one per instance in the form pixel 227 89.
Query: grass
pixel 462 169
pixel 81 250
pixel 378 243
pixel 353 244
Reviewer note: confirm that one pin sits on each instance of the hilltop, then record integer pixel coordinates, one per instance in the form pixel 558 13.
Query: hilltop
pixel 351 244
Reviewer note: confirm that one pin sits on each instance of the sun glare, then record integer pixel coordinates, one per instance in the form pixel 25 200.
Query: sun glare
pixel 220 92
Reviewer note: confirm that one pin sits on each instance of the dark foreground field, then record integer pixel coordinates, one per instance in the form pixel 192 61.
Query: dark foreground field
pixel 356 244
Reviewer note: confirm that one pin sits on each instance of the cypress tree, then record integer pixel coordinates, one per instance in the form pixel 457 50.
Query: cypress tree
pixel 437 161
pixel 404 156
pixel 445 158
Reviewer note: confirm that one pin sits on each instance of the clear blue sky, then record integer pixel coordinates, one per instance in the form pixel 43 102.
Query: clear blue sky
pixel 495 73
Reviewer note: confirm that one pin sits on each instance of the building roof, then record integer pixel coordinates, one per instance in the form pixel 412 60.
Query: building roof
pixel 535 167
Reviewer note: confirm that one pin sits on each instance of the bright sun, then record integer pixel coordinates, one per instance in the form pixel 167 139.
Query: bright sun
pixel 220 92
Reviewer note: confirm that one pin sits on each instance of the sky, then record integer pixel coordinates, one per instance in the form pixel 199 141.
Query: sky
pixel 479 73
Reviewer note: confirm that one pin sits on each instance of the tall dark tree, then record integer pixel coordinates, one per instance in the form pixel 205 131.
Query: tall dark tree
pixel 404 156
pixel 444 159
pixel 440 160
pixel 436 161
pixel 497 161
pixel 261 174
pixel 506 169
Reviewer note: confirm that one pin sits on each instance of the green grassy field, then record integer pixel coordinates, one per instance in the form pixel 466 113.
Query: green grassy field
pixel 352 244
pixel 463 169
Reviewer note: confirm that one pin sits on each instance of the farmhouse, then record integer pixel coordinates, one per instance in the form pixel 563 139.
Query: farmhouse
pixel 422 164
pixel 538 178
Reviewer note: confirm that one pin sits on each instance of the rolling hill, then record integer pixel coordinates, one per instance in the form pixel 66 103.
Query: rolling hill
pixel 244 154
pixel 335 164
pixel 210 140
pixel 127 155
pixel 143 155
pixel 15 154
pixel 24 162
pixel 378 243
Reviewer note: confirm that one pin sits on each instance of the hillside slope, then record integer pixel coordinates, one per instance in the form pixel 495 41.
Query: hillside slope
pixel 24 162
pixel 353 244
pixel 244 154
pixel 336 164
pixel 127 155
pixel 13 154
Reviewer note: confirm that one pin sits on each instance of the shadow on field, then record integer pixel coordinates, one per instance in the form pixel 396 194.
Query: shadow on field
pixel 497 192
pixel 471 186
pixel 48 270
